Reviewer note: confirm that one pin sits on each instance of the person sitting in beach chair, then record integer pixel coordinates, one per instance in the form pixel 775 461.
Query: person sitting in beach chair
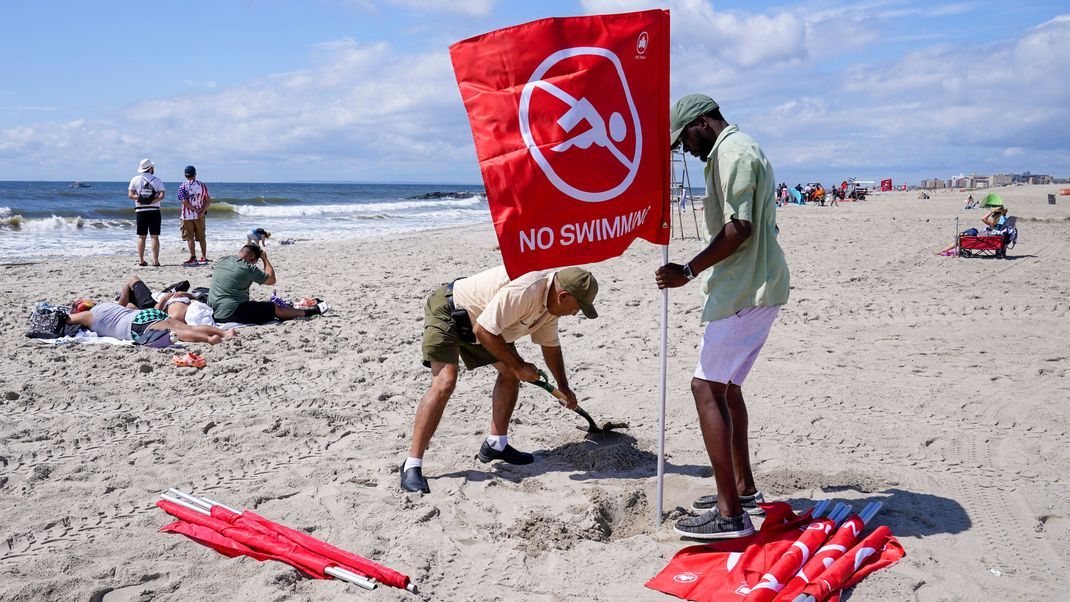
pixel 144 326
pixel 229 294
pixel 996 220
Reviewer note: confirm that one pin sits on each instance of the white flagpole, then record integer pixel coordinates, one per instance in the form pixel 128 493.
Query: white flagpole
pixel 662 393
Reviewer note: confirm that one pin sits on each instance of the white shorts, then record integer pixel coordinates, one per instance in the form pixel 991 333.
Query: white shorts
pixel 731 345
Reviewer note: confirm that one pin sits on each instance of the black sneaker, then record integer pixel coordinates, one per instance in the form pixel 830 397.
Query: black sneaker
pixel 509 454
pixel 749 503
pixel 413 480
pixel 712 525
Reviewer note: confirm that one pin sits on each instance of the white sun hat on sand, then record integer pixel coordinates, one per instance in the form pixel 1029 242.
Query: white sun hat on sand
pixel 145 165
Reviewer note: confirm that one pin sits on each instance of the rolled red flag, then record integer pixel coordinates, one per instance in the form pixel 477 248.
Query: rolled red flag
pixel 773 580
pixel 837 546
pixel 876 551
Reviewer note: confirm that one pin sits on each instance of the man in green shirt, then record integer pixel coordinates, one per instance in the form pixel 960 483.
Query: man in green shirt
pixel 745 281
pixel 228 296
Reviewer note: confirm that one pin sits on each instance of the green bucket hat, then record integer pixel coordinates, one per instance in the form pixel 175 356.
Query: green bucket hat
pixel 685 111
pixel 580 284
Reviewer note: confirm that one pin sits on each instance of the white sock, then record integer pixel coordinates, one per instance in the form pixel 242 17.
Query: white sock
pixel 498 442
pixel 413 463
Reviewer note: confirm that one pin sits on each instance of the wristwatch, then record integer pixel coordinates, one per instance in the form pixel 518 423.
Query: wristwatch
pixel 687 271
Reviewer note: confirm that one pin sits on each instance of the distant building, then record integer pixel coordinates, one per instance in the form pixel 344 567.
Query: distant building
pixel 1001 179
pixel 932 184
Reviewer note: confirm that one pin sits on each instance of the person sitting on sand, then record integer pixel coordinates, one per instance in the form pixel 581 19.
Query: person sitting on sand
pixel 477 319
pixel 969 204
pixel 126 324
pixel 229 294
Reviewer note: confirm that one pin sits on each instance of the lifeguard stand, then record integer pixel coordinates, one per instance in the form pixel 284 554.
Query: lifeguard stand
pixel 680 193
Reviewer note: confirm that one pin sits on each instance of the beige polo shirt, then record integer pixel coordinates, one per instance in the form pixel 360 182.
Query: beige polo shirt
pixel 510 308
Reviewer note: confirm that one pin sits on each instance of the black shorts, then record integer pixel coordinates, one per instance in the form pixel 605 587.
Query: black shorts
pixel 148 222
pixel 250 312
pixel 141 296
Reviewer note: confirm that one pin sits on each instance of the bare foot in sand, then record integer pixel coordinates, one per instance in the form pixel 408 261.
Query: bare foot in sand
pixel 214 339
pixel 230 333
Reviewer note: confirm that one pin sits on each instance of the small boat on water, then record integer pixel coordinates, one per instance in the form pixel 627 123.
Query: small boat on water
pixel 77 184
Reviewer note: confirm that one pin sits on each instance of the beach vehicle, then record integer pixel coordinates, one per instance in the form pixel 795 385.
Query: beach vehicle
pixel 77 184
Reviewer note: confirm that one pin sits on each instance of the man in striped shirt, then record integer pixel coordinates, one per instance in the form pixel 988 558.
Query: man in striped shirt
pixel 193 195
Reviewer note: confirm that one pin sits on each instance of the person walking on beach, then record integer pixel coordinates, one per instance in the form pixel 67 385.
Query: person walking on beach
pixel 193 194
pixel 229 294
pixel 477 319
pixel 745 281
pixel 146 190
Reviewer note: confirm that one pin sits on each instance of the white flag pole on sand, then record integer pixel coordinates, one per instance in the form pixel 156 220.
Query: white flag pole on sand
pixel 661 394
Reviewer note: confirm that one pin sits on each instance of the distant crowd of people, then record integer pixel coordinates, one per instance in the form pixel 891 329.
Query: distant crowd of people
pixel 815 192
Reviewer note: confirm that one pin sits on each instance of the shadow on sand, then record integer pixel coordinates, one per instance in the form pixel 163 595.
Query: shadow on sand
pixel 612 455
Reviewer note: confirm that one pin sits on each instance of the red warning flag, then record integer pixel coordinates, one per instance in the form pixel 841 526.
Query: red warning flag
pixel 570 122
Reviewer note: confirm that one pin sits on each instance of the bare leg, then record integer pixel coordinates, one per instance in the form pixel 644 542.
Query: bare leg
pixel 155 250
pixel 716 423
pixel 127 291
pixel 433 404
pixel 204 249
pixel 506 391
pixel 737 408
pixel 141 249
pixel 190 334
pixel 192 249
pixel 289 313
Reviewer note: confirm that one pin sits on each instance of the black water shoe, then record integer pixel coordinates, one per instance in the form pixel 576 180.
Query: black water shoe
pixel 509 454
pixel 413 480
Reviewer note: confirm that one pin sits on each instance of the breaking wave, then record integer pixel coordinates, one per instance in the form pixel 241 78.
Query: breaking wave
pixel 303 210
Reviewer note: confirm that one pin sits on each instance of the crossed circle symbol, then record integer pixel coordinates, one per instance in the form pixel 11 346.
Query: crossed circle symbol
pixel 617 128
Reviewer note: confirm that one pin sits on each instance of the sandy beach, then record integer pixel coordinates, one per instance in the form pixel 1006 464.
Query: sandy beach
pixel 936 385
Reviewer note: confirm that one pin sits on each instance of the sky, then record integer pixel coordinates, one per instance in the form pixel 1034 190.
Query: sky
pixel 363 90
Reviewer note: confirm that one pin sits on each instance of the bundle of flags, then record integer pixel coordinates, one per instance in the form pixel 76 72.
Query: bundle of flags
pixel 798 558
pixel 233 533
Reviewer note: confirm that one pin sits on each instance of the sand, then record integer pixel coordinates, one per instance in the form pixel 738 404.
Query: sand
pixel 936 385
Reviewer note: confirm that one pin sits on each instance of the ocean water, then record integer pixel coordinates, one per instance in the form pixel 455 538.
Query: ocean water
pixel 52 219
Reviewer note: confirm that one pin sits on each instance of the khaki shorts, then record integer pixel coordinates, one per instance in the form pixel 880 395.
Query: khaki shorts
pixel 441 343
pixel 193 229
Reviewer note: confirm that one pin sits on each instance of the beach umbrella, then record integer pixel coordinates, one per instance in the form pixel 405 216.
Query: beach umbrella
pixel 233 533
pixel 876 551
pixel 784 569
pixel 837 546
pixel 719 570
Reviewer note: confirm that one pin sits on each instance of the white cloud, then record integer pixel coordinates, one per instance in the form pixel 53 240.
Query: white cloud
pixel 360 111
pixel 378 111
pixel 470 8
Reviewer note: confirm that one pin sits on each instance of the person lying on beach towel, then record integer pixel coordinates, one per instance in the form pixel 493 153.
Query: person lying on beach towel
pixel 144 326
pixel 229 294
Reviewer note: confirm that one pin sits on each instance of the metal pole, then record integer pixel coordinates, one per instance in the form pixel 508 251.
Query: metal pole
pixel 957 237
pixel 662 393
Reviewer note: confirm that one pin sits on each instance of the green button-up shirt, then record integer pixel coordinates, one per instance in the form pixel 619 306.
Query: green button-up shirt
pixel 740 185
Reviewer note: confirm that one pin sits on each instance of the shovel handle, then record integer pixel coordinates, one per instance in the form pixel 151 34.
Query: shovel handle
pixel 545 384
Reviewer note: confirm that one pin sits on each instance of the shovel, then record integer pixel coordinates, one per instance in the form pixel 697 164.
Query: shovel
pixel 592 426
